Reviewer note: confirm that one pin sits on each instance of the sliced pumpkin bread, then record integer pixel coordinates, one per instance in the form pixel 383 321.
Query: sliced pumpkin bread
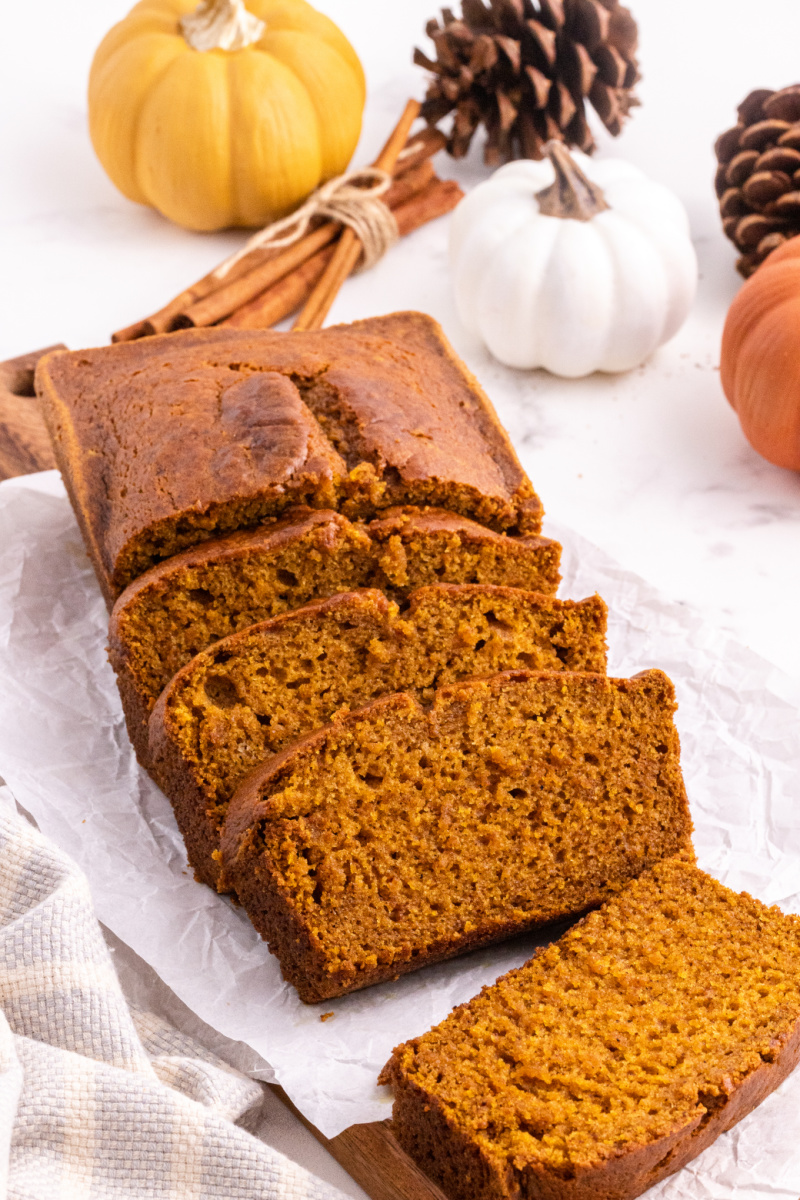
pixel 398 836
pixel 190 601
pixel 615 1056
pixel 255 692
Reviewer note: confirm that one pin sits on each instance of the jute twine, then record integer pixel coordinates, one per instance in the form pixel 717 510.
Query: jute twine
pixel 354 199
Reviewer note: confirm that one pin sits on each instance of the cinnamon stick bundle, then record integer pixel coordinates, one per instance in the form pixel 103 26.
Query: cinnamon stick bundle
pixel 214 298
pixel 240 291
pixel 285 297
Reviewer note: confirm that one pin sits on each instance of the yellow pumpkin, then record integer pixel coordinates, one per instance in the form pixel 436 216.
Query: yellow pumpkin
pixel 218 136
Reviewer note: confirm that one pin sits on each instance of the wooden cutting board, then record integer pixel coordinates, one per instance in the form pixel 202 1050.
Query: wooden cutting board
pixel 369 1153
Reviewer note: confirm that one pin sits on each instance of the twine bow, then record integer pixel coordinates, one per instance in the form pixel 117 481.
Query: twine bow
pixel 353 199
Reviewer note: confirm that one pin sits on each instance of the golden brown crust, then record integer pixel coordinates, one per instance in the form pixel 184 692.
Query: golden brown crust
pixel 720 1087
pixel 609 767
pixel 171 440
pixel 254 692
pixel 181 606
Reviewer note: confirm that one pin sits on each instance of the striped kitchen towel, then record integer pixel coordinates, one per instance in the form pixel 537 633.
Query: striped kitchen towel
pixel 98 1102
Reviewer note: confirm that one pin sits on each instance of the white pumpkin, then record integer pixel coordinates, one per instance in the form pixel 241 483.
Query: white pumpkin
pixel 596 287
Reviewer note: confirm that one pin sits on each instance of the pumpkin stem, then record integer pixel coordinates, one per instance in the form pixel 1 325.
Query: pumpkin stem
pixel 572 196
pixel 221 25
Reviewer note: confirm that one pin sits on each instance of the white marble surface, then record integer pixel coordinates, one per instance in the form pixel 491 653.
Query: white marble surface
pixel 651 466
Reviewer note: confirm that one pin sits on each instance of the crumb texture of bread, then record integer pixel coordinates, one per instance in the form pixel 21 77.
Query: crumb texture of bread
pixel 171 440
pixel 401 835
pixel 613 1057
pixel 194 599
pixel 254 693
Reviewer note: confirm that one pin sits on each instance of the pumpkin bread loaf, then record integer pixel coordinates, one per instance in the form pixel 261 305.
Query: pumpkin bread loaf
pixel 615 1056
pixel 257 691
pixel 400 836
pixel 190 601
pixel 175 439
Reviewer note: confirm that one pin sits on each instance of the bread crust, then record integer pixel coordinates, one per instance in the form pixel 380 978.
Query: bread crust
pixel 173 439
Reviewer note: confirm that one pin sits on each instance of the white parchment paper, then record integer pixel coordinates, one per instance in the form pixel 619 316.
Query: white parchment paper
pixel 65 754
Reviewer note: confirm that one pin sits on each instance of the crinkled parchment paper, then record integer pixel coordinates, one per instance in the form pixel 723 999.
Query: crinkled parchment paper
pixel 65 754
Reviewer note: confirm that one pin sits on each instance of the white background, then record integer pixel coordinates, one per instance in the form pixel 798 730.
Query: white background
pixel 650 466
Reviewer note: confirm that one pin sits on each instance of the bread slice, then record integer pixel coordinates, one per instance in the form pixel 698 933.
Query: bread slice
pixel 255 692
pixel 190 601
pixel 171 440
pixel 615 1056
pixel 399 836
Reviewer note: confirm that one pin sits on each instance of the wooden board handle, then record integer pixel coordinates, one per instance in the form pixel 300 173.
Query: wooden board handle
pixel 371 1156
pixel 24 441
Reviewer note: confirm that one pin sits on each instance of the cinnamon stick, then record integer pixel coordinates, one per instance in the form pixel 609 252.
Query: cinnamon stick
pixel 418 148
pixel 278 302
pixel 438 198
pixel 348 248
pixel 234 295
pixel 408 184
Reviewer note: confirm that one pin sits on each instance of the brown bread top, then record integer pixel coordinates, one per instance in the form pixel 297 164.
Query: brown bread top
pixel 398 836
pixel 170 440
pixel 183 605
pixel 613 1057
pixel 251 694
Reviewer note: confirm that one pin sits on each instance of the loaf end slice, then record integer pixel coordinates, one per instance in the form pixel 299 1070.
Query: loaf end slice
pixel 399 836
pixel 253 693
pixel 615 1056
pixel 179 438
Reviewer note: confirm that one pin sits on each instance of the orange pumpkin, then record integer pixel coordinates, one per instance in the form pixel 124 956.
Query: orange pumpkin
pixel 760 365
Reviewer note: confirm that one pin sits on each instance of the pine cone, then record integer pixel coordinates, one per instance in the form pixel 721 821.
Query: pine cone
pixel 525 71
pixel 758 177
